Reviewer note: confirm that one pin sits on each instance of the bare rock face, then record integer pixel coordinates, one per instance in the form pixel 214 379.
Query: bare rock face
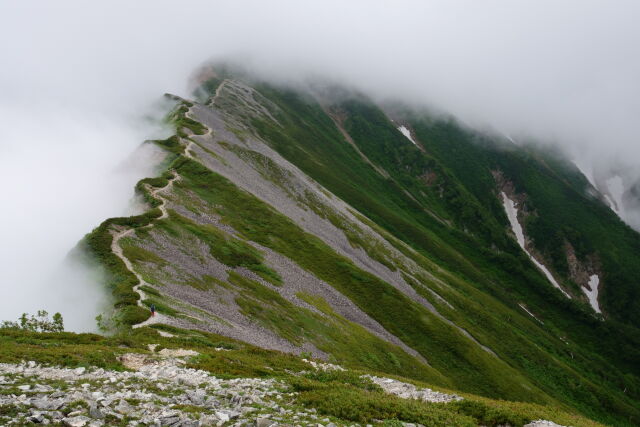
pixel 580 271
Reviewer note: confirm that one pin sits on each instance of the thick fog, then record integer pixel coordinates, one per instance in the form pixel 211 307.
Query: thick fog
pixel 80 79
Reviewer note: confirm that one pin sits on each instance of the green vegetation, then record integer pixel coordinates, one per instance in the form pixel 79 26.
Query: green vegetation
pixel 222 246
pixel 171 144
pixel 207 89
pixel 449 225
pixel 160 306
pixel 36 323
pixel 181 121
pixel 472 368
pixel 341 394
pixel 95 249
pixel 439 208
pixel 348 396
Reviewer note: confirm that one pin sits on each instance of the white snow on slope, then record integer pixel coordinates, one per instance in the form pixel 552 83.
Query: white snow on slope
pixel 512 214
pixel 530 313
pixel 587 170
pixel 592 294
pixel 615 188
pixel 407 133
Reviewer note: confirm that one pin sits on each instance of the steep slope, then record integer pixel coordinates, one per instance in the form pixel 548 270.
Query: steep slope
pixel 305 225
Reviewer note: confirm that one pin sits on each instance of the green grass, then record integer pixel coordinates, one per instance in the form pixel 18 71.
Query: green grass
pixel 476 252
pixel 180 120
pixel 161 306
pixel 346 395
pixel 470 367
pixel 222 246
pixel 95 249
pixel 343 395
pixel 456 225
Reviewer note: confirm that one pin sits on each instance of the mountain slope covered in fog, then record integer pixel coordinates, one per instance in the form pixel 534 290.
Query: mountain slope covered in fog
pixel 315 221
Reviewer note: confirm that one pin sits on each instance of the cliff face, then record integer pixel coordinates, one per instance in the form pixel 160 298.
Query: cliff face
pixel 349 237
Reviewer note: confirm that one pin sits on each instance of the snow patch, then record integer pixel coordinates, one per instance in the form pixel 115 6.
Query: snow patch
pixel 406 132
pixel 530 313
pixel 592 292
pixel 506 135
pixel 512 214
pixel 615 188
pixel 611 204
pixel 587 171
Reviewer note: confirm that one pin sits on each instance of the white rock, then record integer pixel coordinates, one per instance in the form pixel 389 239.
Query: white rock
pixel 76 421
pixel 543 423
pixel 222 416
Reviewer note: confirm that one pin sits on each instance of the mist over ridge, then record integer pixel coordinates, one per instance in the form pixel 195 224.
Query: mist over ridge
pixel 79 79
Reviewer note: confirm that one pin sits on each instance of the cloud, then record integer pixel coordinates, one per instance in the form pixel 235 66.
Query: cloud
pixel 78 77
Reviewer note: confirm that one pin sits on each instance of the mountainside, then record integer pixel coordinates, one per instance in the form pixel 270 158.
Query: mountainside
pixel 381 238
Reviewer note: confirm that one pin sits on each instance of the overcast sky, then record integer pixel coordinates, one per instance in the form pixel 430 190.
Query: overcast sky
pixel 78 78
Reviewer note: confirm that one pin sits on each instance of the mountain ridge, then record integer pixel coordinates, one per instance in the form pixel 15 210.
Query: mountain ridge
pixel 248 180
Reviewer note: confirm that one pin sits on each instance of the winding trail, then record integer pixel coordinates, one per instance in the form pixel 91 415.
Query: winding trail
pixel 118 235
pixel 117 250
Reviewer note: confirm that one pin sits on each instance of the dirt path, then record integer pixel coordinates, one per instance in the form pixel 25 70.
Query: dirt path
pixel 117 250
pixel 224 82
pixel 118 235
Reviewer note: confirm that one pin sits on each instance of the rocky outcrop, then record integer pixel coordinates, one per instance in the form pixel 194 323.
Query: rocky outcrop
pixel 409 391
pixel 159 392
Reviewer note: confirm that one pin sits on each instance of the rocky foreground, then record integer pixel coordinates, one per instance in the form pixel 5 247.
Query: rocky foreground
pixel 160 391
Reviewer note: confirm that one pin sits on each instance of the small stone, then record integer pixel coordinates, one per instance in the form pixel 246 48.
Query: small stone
pixel 36 418
pixel 42 388
pixel 56 415
pixel 47 404
pixel 95 412
pixel 196 397
pixel 169 420
pixel 79 371
pixel 222 416
pixel 76 421
pixel 25 387
pixel 264 422
pixel 208 420
pixel 123 407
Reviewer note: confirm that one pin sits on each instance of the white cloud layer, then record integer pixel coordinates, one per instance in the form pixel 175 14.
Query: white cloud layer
pixel 77 77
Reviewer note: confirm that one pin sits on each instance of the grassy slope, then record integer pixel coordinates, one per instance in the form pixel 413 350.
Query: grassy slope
pixel 310 140
pixel 555 190
pixel 342 395
pixel 563 212
pixel 471 368
pixel 485 284
pixel 347 342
